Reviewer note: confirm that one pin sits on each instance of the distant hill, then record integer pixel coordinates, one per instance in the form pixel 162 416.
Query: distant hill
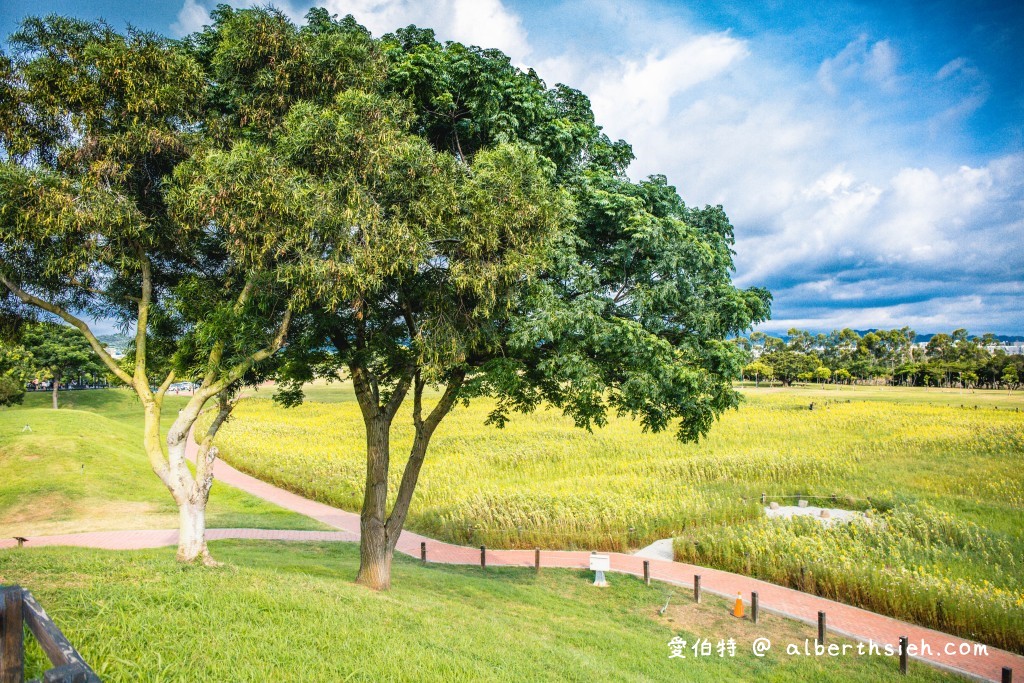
pixel 921 337
pixel 117 341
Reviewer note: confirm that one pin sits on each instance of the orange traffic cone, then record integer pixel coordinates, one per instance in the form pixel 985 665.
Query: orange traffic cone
pixel 737 610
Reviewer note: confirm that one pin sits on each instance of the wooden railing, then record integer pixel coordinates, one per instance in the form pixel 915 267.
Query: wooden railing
pixel 18 608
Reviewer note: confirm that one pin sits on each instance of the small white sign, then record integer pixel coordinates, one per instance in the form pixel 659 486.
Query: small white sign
pixel 600 563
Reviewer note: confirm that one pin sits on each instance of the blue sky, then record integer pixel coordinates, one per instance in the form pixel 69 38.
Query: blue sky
pixel 870 154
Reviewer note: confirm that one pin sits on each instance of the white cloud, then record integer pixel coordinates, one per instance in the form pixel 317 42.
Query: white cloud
pixel 638 93
pixel 191 18
pixel 918 219
pixel 952 67
pixel 986 311
pixel 486 23
pixel 861 62
pixel 835 210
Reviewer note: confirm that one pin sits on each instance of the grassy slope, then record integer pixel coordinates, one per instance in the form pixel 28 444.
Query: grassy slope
pixel 289 612
pixel 81 468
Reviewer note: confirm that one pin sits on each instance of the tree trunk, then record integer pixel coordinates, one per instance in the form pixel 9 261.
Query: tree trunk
pixel 56 383
pixel 375 555
pixel 379 533
pixel 192 532
pixel 375 552
pixel 190 493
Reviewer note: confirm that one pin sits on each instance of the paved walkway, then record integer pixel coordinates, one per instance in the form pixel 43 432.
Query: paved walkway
pixel 852 622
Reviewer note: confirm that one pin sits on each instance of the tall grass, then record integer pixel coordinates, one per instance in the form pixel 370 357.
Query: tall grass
pixel 541 482
pixel 914 562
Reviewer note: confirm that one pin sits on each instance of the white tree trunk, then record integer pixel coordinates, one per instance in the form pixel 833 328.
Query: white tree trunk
pixel 192 532
pixel 190 493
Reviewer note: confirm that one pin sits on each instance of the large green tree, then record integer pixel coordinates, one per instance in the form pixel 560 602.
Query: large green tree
pixel 492 245
pixel 788 365
pixel 93 225
pixel 59 351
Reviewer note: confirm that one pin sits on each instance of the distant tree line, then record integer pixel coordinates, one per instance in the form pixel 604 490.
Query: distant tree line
pixel 891 357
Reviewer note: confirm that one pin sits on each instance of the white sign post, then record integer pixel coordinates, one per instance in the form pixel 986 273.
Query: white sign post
pixel 600 564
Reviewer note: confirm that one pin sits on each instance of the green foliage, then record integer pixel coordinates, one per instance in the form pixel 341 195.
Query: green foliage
pixel 260 64
pixel 759 370
pixel 467 98
pixel 59 351
pixel 15 371
pixel 788 366
pixel 624 308
pixel 890 355
pixel 94 220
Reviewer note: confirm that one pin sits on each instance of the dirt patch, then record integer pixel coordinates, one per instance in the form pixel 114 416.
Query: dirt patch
pixel 114 509
pixel 39 508
pixel 713 619
pixel 56 514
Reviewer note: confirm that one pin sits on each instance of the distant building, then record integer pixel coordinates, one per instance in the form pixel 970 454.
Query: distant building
pixel 1009 348
pixel 116 354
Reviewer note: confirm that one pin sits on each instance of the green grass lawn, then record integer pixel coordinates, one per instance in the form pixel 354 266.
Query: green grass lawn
pixel 947 481
pixel 290 612
pixel 82 468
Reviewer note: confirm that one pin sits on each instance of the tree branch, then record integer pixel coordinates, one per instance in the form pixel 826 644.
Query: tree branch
pixel 207 454
pixel 366 393
pixel 424 430
pixel 165 385
pixel 76 322
pixel 447 401
pixel 217 352
pixel 142 325
pixel 236 373
pixel 398 395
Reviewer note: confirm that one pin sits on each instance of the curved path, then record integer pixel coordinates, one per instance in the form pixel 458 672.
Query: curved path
pixel 842 619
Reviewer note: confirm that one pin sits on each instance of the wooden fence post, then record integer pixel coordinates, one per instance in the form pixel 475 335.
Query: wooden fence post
pixel 696 588
pixel 821 628
pixel 647 572
pixel 1007 675
pixel 483 557
pixel 904 654
pixel 68 663
pixel 536 559
pixel 423 552
pixel 753 607
pixel 12 646
pixel 68 673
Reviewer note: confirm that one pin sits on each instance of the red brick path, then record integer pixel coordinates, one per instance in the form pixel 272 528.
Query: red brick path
pixel 842 619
